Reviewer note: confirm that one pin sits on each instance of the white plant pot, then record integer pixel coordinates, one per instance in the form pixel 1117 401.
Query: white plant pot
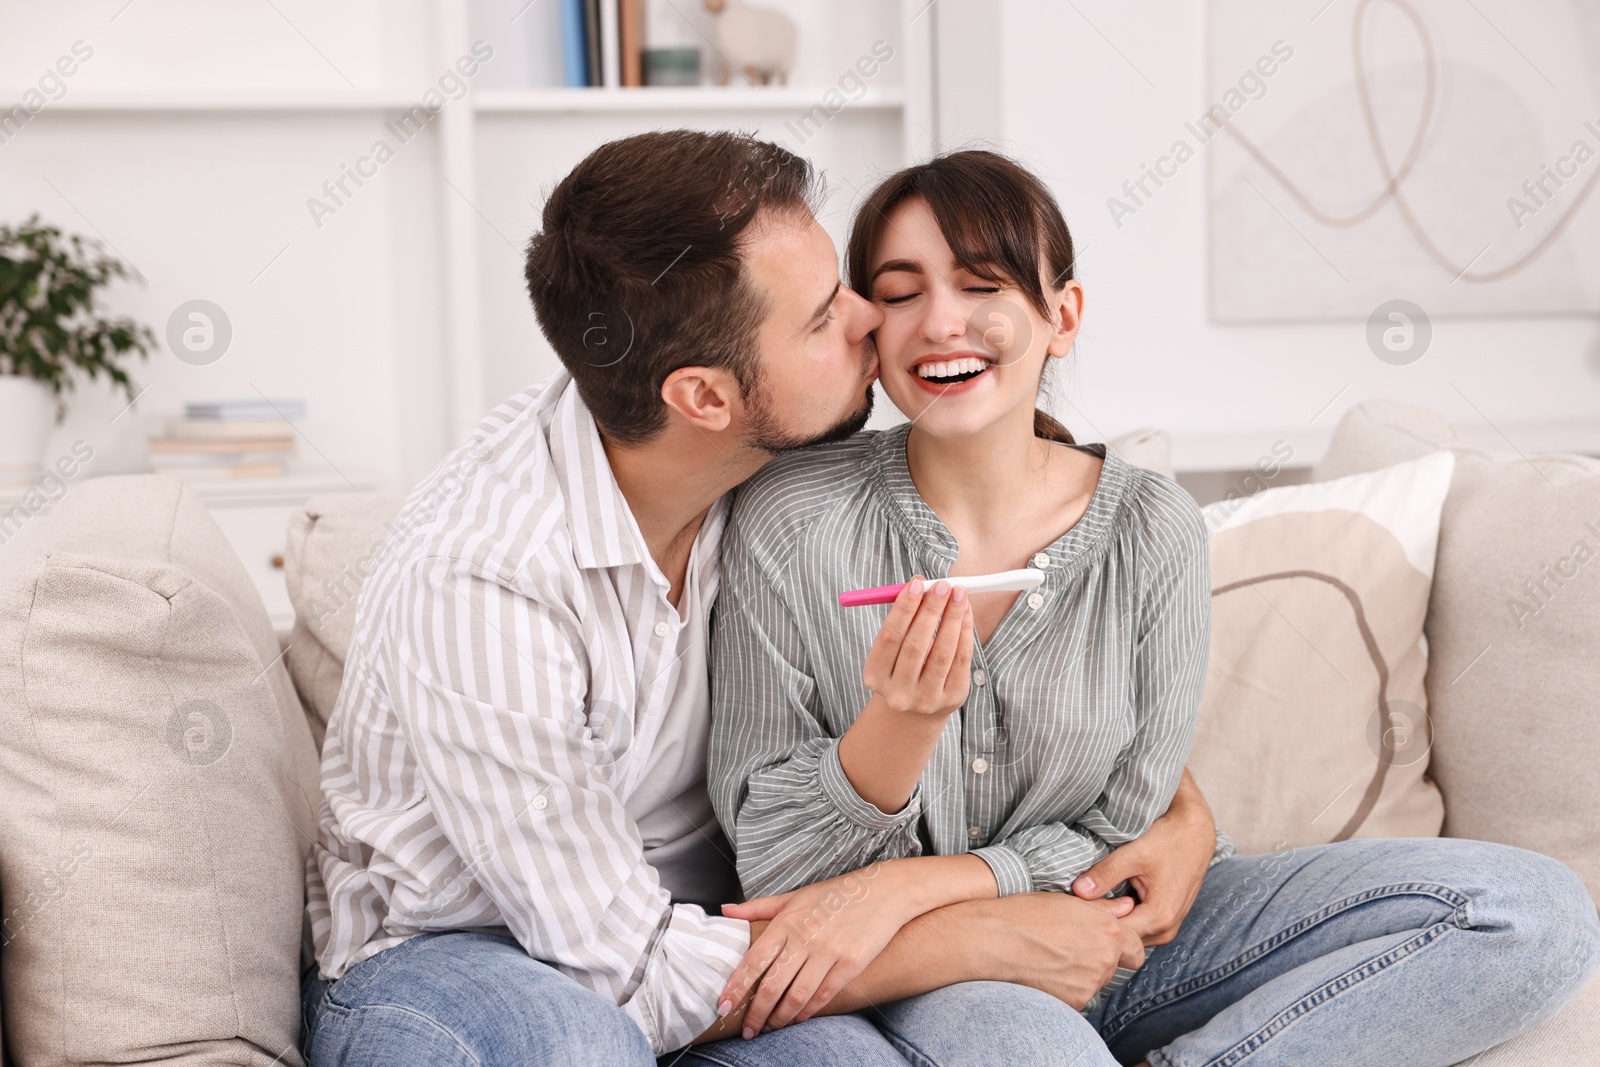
pixel 27 415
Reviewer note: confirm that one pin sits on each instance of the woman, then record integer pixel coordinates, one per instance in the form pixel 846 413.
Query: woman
pixel 1077 699
pixel 837 746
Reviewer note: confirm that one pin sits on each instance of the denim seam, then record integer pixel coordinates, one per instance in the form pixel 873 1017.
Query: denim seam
pixel 402 1009
pixel 355 978
pixel 1128 1015
pixel 1328 991
pixel 914 1055
pixel 709 1055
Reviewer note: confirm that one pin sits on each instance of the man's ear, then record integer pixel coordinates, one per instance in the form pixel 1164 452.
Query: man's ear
pixel 1069 316
pixel 705 397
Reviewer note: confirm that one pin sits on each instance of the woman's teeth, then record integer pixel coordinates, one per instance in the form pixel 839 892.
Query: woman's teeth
pixel 967 366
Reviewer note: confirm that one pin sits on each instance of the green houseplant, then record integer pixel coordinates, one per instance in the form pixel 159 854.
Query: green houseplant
pixel 51 332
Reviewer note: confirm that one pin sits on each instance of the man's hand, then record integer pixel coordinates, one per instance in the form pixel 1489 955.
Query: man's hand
pixel 1165 866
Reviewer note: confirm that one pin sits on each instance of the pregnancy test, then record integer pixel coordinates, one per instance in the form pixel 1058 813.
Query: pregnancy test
pixel 1003 582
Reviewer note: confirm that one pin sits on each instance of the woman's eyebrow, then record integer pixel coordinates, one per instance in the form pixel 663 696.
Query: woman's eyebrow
pixel 906 265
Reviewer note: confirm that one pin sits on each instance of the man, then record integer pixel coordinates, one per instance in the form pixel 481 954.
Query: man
pixel 518 861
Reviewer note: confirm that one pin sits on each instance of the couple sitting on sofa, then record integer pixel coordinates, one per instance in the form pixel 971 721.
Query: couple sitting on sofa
pixel 962 825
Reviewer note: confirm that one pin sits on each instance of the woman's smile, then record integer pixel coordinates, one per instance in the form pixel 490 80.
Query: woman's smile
pixel 952 373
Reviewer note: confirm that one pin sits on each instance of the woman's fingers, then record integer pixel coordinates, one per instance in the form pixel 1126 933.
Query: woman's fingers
pixel 800 993
pixel 886 647
pixel 825 992
pixel 755 963
pixel 772 986
pixel 942 656
pixel 920 636
pixel 958 680
pixel 758 908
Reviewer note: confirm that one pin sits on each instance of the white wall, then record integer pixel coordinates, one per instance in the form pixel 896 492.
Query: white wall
pixel 1086 117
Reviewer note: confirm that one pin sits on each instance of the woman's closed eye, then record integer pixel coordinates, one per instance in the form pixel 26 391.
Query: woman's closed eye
pixel 901 298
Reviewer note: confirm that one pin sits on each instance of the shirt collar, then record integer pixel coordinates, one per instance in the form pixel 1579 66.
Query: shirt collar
pixel 604 533
pixel 603 529
pixel 1068 553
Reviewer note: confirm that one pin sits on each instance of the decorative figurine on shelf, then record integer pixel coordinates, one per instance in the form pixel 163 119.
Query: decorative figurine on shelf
pixel 757 40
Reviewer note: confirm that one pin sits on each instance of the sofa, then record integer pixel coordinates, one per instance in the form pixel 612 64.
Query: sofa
pixel 158 740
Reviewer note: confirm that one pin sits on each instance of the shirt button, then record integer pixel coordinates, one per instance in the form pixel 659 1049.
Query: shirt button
pixel 541 802
pixel 1041 560
pixel 662 629
pixel 979 676
pixel 1035 601
pixel 980 765
pixel 974 832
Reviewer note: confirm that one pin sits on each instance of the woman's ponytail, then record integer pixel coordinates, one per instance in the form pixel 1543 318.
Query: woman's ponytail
pixel 1050 429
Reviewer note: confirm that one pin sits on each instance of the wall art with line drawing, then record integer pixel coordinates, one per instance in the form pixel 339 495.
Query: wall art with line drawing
pixel 1437 150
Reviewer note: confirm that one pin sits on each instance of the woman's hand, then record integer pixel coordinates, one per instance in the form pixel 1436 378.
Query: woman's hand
pixel 819 939
pixel 921 661
pixel 1165 866
pixel 1059 944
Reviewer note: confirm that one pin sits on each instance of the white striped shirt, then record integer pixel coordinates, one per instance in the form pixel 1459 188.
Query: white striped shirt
pixel 508 676
pixel 1082 704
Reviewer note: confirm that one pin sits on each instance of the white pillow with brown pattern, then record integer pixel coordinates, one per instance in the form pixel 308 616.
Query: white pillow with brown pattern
pixel 1313 725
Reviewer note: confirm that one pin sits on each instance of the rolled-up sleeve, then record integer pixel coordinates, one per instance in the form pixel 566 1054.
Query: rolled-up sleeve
pixel 517 774
pixel 1174 636
pixel 775 778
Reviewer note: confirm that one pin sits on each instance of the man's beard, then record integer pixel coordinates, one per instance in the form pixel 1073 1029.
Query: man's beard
pixel 764 433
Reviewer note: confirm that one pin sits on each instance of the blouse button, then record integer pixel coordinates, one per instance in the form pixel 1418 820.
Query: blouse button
pixel 1035 601
pixel 974 832
pixel 541 802
pixel 662 629
pixel 980 765
pixel 1041 560
pixel 979 676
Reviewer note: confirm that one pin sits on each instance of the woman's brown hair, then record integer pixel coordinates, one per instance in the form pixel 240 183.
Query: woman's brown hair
pixel 998 219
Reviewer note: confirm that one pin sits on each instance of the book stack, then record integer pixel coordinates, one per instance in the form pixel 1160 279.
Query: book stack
pixel 581 51
pixel 224 439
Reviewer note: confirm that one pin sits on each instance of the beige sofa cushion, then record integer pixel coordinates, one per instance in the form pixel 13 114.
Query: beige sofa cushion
pixel 1150 449
pixel 160 792
pixel 1514 635
pixel 1572 1037
pixel 1311 727
pixel 332 543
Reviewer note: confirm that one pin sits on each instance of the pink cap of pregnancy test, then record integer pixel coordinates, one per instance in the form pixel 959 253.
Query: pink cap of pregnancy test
pixel 878 594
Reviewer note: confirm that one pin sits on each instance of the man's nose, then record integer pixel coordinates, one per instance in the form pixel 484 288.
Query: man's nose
pixel 865 316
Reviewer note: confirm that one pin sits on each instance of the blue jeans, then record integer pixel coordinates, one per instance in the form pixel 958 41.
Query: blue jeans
pixel 1421 951
pixel 465 999
pixel 1416 951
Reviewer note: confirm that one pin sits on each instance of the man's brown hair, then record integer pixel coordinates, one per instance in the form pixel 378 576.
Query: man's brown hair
pixel 639 271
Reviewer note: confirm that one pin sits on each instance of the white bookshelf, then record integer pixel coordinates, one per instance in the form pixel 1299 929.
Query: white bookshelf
pixel 700 98
pixel 226 101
